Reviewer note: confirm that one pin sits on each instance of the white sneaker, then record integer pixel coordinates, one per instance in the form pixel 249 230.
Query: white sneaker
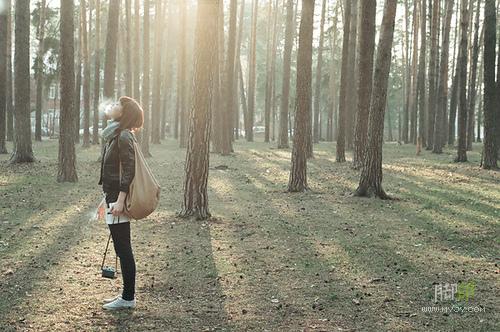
pixel 111 299
pixel 119 303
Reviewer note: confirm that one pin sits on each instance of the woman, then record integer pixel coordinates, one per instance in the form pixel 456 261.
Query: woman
pixel 126 117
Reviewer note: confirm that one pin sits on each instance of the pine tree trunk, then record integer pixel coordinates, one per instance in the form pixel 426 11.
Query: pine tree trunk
pixel 127 49
pixel 471 98
pixel 462 85
pixel 298 172
pixel 23 151
pixel 4 28
pixel 413 90
pixel 366 49
pixel 351 101
pixel 197 156
pixel 442 94
pixel 433 56
pixel 269 83
pixel 39 73
pixel 371 175
pixel 146 80
pixel 78 84
pixel 86 77
pixel 317 94
pixel 252 74
pixel 490 151
pixel 421 96
pixel 285 91
pixel 97 72
pixel 181 78
pixel 406 114
pixel 342 118
pixel 67 157
pixel 229 89
pixel 9 91
pixel 158 48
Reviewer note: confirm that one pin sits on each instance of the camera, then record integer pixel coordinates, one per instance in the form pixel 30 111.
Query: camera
pixel 108 272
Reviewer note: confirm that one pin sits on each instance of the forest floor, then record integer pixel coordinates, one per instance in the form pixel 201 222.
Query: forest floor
pixel 268 260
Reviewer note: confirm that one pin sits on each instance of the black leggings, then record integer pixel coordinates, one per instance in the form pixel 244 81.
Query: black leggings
pixel 123 248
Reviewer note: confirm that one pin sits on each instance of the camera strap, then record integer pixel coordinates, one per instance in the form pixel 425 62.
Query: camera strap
pixel 104 258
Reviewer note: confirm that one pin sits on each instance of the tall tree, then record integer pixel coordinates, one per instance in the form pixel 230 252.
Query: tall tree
pixel 39 71
pixel 421 96
pixel 4 29
pixel 97 72
pixel 23 151
pixel 127 49
pixel 269 82
pixel 181 77
pixel 433 57
pixel 317 93
pixel 462 85
pixel 252 74
pixel 285 88
pixel 491 110
pixel 471 97
pixel 371 175
pixel 78 82
pixel 366 49
pixel 442 93
pixel 414 63
pixel 158 47
pixel 197 156
pixel 9 91
pixel 111 46
pixel 67 157
pixel 137 51
pixel 230 84
pixel 145 81
pixel 86 76
pixel 351 98
pixel 298 172
pixel 340 152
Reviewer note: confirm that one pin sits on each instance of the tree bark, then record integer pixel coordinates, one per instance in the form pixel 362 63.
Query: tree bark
pixel 285 90
pixel 366 49
pixel 158 47
pixel 462 85
pixel 371 175
pixel 490 151
pixel 342 117
pixel 181 77
pixel 432 97
pixel 197 156
pixel 146 80
pixel 298 172
pixel 421 95
pixel 67 157
pixel 442 95
pixel 23 151
pixel 230 84
pixel 252 74
pixel 97 72
pixel 86 77
pixel 471 98
pixel 4 29
pixel 39 72
pixel 317 94
pixel 351 102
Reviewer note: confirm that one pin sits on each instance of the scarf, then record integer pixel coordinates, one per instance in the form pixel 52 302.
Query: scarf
pixel 107 132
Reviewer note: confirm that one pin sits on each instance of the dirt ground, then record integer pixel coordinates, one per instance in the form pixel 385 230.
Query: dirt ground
pixel 268 260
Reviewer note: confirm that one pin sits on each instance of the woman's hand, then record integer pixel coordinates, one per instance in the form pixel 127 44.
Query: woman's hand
pixel 117 208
